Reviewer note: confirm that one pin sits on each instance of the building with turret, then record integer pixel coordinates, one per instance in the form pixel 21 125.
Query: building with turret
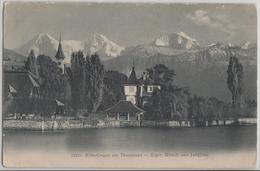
pixel 131 87
pixel 139 91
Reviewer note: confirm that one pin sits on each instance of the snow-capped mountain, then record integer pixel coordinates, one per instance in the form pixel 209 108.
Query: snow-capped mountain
pixel 204 70
pixel 245 45
pixel 248 45
pixel 173 44
pixel 45 44
pixel 103 46
pixel 176 41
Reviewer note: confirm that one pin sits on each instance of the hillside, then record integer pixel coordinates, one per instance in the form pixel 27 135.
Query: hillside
pixel 12 60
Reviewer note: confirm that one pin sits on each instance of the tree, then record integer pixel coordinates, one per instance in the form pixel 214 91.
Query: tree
pixel 161 74
pixel 31 63
pixel 53 84
pixel 171 102
pixel 234 80
pixel 77 80
pixel 182 96
pixel 94 81
pixel 155 108
pixel 113 88
pixel 86 78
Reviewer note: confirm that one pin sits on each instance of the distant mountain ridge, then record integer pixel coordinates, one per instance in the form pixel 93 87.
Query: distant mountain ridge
pixel 12 60
pixel 203 70
pixel 177 41
pixel 43 43
pixel 103 46
pixel 10 55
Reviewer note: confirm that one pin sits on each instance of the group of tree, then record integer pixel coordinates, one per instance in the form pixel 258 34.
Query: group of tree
pixel 86 77
pixel 86 87
pixel 113 88
pixel 177 103
pixel 53 84
pixel 170 102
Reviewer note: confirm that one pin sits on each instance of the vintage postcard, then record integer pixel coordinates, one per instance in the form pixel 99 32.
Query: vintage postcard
pixel 115 85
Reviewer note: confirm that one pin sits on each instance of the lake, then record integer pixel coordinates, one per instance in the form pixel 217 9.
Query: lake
pixel 51 145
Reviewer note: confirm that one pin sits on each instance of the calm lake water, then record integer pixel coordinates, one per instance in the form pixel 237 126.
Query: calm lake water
pixel 214 139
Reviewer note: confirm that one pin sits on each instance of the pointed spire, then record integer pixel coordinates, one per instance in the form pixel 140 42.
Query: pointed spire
pixel 133 62
pixel 60 39
pixel 132 78
pixel 31 54
pixel 60 55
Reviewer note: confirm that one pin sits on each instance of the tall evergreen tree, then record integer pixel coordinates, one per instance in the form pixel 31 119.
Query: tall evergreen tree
pixel 235 80
pixel 86 78
pixel 94 82
pixel 77 80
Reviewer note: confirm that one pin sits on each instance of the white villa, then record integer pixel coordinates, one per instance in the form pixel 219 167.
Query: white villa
pixel 138 91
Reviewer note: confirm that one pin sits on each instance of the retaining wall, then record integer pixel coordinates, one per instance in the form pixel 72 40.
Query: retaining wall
pixel 76 124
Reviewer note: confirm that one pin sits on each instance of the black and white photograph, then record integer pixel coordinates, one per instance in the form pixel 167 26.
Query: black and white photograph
pixel 129 85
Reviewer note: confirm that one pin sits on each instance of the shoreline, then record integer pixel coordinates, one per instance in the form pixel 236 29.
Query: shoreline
pixel 81 124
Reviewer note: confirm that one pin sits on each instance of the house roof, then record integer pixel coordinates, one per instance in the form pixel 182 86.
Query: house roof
pixel 31 105
pixel 147 81
pixel 11 89
pixel 58 103
pixel 124 106
pixel 20 81
pixel 132 78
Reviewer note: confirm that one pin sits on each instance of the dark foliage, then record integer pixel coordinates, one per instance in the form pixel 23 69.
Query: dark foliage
pixel 86 78
pixel 53 84
pixel 113 88
pixel 235 80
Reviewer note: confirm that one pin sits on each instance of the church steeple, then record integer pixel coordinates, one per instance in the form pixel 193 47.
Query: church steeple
pixel 132 78
pixel 60 55
pixel 133 67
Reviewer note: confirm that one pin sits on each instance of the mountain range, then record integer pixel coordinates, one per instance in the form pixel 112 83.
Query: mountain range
pixel 202 69
pixel 177 41
pixel 43 43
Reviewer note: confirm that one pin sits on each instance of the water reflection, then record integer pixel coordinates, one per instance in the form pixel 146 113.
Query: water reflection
pixel 214 139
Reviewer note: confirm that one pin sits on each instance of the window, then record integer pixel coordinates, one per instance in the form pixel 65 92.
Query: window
pixel 155 87
pixel 131 89
pixel 150 89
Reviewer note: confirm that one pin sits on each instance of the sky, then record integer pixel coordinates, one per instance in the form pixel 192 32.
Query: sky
pixel 129 24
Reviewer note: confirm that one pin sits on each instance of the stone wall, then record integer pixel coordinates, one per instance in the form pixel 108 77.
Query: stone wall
pixel 76 124
pixel 57 124
pixel 247 120
pixel 155 123
pixel 129 123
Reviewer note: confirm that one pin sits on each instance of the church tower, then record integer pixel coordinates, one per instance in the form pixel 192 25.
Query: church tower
pixel 60 56
pixel 131 87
